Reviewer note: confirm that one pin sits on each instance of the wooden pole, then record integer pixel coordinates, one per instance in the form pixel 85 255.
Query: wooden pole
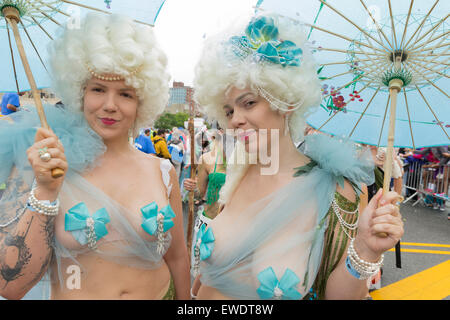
pixel 193 173
pixel 12 17
pixel 395 86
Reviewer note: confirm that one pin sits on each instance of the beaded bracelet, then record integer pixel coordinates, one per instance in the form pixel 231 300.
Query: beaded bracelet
pixel 193 296
pixel 360 268
pixel 42 206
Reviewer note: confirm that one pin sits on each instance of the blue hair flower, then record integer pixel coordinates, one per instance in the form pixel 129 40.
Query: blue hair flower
pixel 261 40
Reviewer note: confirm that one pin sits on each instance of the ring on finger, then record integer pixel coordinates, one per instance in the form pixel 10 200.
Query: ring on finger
pixel 44 154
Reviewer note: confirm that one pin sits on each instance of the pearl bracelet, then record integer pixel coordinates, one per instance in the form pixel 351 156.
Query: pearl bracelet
pixel 370 265
pixel 42 206
pixel 193 296
pixel 360 268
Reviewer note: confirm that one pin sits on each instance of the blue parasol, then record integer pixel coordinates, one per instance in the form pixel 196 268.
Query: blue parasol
pixel 384 69
pixel 374 55
pixel 38 21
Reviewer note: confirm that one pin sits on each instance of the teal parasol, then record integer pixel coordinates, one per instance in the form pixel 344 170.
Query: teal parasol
pixel 37 21
pixel 384 68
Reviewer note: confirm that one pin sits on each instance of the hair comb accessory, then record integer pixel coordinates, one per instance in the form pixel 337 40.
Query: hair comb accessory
pixel 262 42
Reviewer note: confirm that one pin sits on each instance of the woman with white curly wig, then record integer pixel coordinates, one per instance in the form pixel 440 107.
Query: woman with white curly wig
pixel 111 227
pixel 288 233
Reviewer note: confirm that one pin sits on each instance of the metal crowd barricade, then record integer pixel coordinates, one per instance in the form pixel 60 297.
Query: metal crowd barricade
pixel 435 182
pixel 424 180
pixel 411 180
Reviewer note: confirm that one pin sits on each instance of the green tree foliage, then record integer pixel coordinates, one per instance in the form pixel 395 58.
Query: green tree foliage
pixel 169 120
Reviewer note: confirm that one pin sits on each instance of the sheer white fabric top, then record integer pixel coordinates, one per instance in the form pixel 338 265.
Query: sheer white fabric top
pixel 272 249
pixel 125 242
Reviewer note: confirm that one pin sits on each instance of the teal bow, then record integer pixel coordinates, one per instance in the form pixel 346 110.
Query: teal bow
pixel 77 218
pixel 205 242
pixel 261 40
pixel 271 288
pixel 150 217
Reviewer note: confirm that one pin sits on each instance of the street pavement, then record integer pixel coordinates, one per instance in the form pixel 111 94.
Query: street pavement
pixel 425 257
pixel 425 271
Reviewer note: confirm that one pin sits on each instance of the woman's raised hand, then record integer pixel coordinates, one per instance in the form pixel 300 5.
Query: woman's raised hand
pixel 382 215
pixel 45 154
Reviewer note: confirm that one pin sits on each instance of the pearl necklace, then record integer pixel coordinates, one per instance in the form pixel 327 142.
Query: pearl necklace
pixel 281 105
pixel 114 78
pixel 345 225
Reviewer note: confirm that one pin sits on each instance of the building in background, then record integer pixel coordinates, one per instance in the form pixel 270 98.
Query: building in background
pixel 181 99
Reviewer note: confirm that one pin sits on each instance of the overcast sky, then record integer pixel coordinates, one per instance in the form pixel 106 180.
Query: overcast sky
pixel 182 25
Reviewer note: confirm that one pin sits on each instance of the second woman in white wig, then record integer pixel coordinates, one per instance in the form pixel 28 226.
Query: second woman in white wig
pixel 290 232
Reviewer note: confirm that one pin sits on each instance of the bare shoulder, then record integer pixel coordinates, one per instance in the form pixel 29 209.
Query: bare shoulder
pixel 150 162
pixel 147 161
pixel 347 192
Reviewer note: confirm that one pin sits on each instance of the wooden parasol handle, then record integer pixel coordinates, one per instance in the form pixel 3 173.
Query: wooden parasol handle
pixel 394 88
pixel 191 193
pixel 12 17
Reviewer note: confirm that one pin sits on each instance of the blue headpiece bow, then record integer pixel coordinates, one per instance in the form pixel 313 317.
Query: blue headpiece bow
pixel 271 288
pixel 261 41
pixel 150 218
pixel 78 217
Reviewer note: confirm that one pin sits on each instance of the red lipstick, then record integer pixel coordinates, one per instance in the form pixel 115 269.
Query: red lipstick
pixel 245 136
pixel 108 121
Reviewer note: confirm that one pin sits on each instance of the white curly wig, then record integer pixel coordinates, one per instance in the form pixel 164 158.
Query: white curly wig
pixel 219 69
pixel 111 44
